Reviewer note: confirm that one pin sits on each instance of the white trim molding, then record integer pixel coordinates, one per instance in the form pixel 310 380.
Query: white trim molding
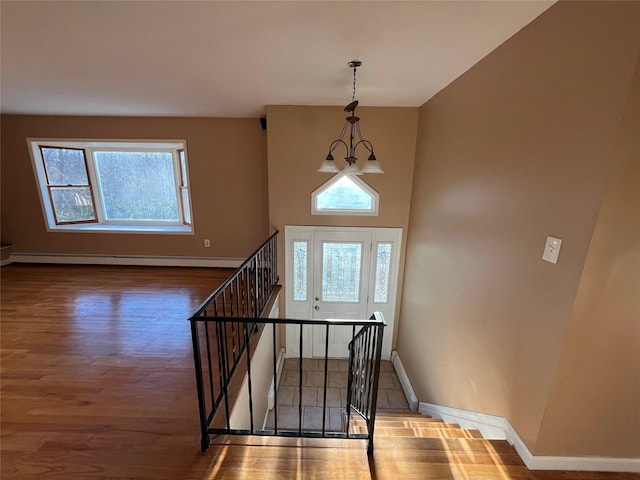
pixel 491 427
pixel 407 388
pixel 137 260
pixel 499 428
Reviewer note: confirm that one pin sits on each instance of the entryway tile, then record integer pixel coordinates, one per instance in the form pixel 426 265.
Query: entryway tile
pixel 390 395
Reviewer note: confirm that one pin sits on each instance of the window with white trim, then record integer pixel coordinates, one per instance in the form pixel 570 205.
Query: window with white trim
pixel 109 185
pixel 344 194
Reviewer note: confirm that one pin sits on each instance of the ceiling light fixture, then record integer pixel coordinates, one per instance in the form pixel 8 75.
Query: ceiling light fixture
pixel 351 125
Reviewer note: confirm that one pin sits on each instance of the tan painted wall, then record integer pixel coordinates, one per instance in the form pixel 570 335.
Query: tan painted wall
pixel 600 362
pixel 516 149
pixel 298 141
pixel 228 172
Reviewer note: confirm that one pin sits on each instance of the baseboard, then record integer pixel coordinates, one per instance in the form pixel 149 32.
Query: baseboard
pixel 589 464
pixel 134 260
pixel 409 393
pixel 491 427
pixel 499 428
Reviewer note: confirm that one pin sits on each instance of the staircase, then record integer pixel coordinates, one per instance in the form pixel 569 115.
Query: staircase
pixel 412 446
pixel 406 447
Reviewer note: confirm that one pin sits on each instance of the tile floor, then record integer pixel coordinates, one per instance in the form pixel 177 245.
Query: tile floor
pixel 390 395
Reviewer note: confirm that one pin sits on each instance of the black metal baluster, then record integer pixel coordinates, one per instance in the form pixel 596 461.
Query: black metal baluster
pixel 256 288
pixel 221 374
pixel 221 302
pixel 275 381
pixel 356 372
pixel 360 347
pixel 248 352
pixel 204 439
pixel 210 367
pixel 263 280
pixel 227 377
pixel 270 265
pixel 235 333
pixel 362 351
pixel 300 386
pixel 376 377
pixel 366 381
pixel 245 295
pixel 265 277
pixel 326 371
pixel 274 262
pixel 258 283
pixel 350 382
pixel 238 297
pixel 235 313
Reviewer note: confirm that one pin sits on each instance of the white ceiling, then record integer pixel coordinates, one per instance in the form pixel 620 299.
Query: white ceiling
pixel 231 58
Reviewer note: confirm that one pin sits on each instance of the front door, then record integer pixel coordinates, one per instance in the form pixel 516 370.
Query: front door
pixel 340 286
pixel 343 273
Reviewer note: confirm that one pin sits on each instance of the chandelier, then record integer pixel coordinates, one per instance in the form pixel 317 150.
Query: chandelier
pixel 352 126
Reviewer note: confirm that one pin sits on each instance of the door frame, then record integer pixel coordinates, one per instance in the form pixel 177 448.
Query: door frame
pixel 302 309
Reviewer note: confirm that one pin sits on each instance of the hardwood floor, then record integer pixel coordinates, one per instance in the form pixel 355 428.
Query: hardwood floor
pixel 97 382
pixel 97 372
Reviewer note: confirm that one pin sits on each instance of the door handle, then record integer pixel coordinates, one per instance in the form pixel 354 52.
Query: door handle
pixel 317 299
pixel 316 308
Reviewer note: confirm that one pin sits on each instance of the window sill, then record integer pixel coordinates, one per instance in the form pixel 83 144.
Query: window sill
pixel 95 228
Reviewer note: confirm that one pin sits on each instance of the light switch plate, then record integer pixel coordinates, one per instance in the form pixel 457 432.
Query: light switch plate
pixel 552 249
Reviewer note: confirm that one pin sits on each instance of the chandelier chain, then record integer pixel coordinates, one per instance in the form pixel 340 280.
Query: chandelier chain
pixel 353 97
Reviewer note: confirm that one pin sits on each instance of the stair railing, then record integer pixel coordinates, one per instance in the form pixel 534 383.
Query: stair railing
pixel 365 352
pixel 225 331
pixel 218 347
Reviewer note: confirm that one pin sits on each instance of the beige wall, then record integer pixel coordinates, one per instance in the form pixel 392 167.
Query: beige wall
pixel 516 149
pixel 600 362
pixel 228 173
pixel 298 141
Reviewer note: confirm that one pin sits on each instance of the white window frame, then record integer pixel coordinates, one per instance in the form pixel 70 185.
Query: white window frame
pixel 101 224
pixel 375 198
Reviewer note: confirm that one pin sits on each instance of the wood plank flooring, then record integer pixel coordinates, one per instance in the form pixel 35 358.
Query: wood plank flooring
pixel 97 382
pixel 97 372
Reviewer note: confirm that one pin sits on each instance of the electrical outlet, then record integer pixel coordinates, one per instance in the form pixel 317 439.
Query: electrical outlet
pixel 207 242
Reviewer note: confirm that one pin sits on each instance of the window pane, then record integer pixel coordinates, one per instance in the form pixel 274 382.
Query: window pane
pixel 300 271
pixel 185 206
pixel 65 166
pixel 72 204
pixel 382 273
pixel 341 272
pixel 137 185
pixel 183 168
pixel 345 194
